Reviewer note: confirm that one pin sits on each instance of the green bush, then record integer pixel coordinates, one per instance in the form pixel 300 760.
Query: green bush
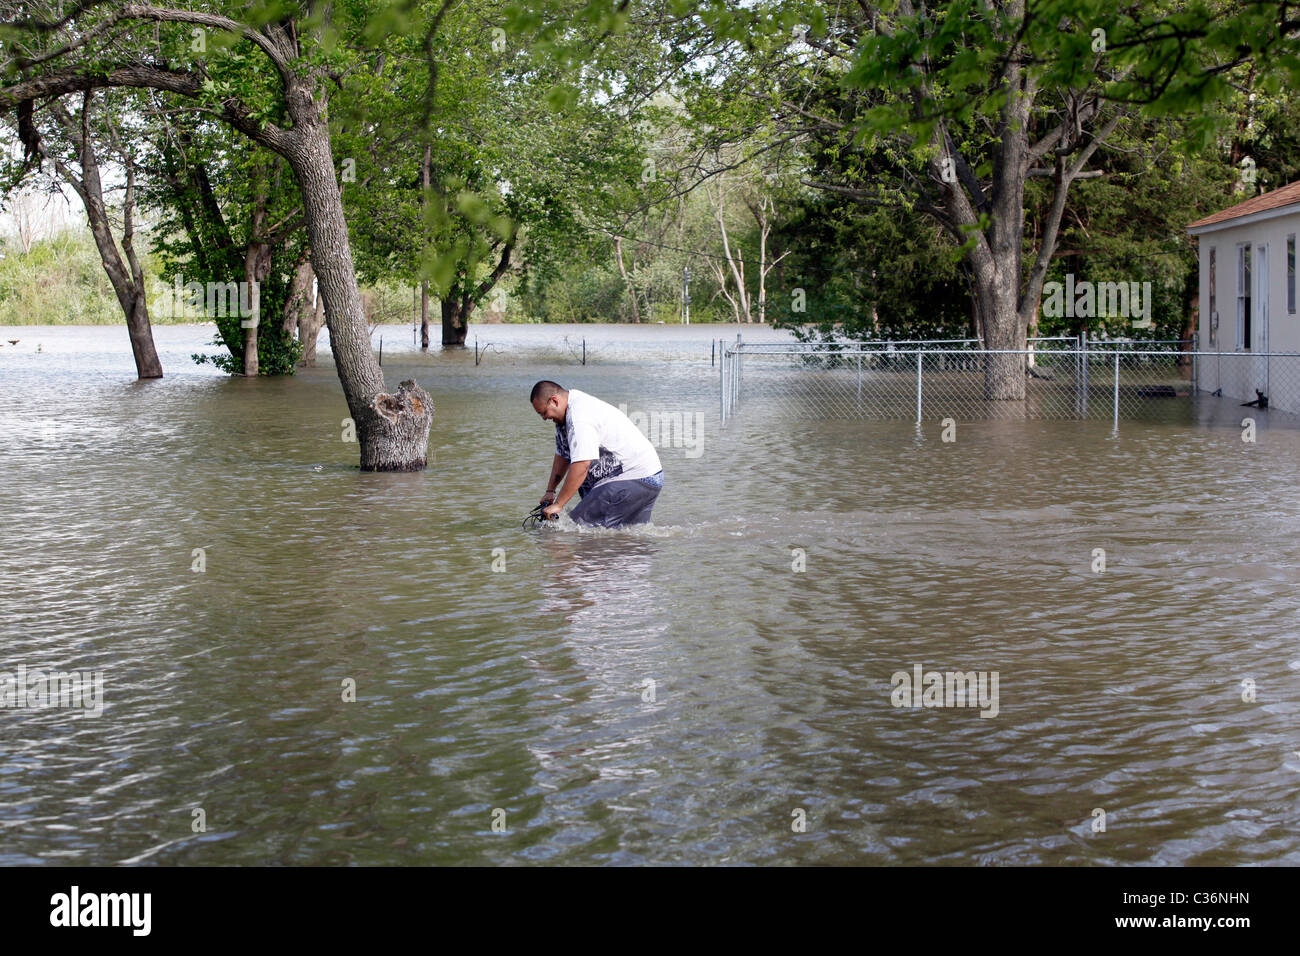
pixel 61 281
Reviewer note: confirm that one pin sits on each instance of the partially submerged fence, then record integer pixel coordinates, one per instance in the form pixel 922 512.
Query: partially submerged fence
pixel 1063 378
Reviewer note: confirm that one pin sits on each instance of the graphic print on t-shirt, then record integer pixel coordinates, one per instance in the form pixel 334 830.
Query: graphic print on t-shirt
pixel 605 466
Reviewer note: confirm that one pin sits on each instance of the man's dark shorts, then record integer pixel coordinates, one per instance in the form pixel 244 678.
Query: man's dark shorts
pixel 616 504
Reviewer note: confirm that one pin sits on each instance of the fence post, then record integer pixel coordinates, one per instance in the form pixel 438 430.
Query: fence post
pixel 859 376
pixel 738 363
pixel 1078 374
pixel 722 383
pixel 1083 336
pixel 918 386
pixel 1116 423
pixel 733 374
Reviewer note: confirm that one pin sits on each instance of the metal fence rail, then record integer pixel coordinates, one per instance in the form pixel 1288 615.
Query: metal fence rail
pixel 1052 380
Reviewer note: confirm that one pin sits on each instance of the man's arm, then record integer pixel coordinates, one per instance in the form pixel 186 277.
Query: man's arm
pixel 577 475
pixel 558 468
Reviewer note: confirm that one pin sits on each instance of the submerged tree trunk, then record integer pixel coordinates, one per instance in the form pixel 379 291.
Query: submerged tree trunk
pixel 1004 367
pixel 455 326
pixel 257 265
pixel 392 430
pixel 138 327
pixel 127 278
pixel 464 296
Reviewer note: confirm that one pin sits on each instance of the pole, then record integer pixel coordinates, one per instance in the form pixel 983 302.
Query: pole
pixel 918 386
pixel 722 386
pixel 731 378
pixel 859 376
pixel 584 350
pixel 739 370
pixel 1116 425
pixel 1083 336
pixel 1078 374
pixel 381 351
pixel 725 361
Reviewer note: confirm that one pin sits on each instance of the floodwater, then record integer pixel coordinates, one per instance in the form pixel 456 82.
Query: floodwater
pixel 676 694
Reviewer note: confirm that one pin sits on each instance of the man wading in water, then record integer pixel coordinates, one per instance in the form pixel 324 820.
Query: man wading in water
pixel 609 463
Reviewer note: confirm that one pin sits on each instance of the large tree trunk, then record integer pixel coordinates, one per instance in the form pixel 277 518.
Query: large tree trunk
pixel 140 331
pixel 998 290
pixel 138 328
pixel 392 430
pixel 257 265
pixel 455 324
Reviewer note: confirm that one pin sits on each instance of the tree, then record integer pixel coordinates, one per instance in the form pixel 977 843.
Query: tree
pixel 68 146
pixel 955 109
pixel 227 208
pixel 521 177
pixel 49 53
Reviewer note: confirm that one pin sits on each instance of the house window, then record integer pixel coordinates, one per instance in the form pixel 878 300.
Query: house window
pixel 1243 298
pixel 1290 274
pixel 1213 314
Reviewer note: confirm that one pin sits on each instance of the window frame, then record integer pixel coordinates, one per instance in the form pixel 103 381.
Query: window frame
pixel 1290 274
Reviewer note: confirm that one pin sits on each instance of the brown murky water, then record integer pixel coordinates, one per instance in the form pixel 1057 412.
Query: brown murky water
pixel 527 691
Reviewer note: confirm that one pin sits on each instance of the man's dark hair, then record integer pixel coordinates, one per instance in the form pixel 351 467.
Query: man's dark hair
pixel 545 389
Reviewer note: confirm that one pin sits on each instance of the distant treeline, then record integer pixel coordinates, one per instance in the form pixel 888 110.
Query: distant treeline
pixel 61 281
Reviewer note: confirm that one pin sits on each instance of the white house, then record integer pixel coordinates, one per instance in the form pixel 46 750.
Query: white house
pixel 1248 299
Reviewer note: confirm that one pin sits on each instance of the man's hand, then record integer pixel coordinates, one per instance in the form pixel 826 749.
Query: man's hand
pixel 547 498
pixel 573 479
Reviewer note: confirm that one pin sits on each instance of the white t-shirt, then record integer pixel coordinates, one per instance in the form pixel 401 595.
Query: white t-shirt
pixel 598 432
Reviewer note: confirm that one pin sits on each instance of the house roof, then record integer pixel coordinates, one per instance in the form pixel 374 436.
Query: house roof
pixel 1276 199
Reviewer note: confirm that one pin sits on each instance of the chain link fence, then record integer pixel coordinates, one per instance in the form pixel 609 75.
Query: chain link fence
pixel 1058 378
